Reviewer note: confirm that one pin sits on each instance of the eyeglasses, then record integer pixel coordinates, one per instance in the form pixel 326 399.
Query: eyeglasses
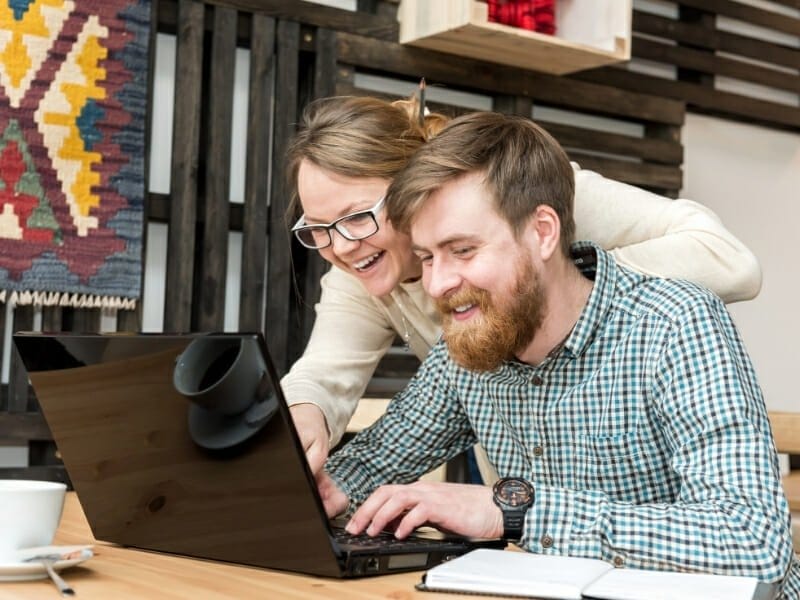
pixel 355 226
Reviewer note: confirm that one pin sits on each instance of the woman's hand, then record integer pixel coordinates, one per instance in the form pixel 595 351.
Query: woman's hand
pixel 313 431
pixel 334 500
pixel 464 509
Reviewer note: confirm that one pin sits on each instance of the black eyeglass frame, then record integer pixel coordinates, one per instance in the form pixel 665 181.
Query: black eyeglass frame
pixel 301 226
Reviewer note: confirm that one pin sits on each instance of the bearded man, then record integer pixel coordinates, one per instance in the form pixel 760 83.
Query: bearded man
pixel 621 411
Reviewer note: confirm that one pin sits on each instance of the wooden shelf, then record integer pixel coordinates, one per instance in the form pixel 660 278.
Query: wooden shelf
pixel 589 34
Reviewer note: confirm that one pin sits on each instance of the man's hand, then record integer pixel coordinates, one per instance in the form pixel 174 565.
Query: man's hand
pixel 334 500
pixel 313 431
pixel 467 510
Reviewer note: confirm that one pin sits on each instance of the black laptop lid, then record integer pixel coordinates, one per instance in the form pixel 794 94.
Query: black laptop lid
pixel 158 465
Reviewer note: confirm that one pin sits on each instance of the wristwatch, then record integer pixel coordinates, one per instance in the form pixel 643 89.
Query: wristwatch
pixel 514 496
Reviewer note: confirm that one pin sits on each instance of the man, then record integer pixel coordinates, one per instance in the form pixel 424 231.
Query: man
pixel 622 411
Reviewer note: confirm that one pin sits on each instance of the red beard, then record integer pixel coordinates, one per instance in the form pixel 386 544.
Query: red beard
pixel 499 332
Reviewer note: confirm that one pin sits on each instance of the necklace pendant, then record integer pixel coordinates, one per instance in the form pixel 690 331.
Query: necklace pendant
pixel 406 335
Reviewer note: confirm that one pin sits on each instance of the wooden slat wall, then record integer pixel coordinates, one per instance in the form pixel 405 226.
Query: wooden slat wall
pixel 652 161
pixel 279 276
pixel 185 159
pixel 700 51
pixel 259 136
pixel 301 51
pixel 213 248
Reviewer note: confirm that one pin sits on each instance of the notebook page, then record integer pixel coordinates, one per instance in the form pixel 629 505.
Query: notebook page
pixel 502 572
pixel 633 584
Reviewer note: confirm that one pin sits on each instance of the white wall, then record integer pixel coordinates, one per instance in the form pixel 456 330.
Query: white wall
pixel 750 176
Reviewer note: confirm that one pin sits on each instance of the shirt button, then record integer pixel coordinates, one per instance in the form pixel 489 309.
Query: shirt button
pixel 538 451
pixel 547 541
pixel 618 561
pixel 536 380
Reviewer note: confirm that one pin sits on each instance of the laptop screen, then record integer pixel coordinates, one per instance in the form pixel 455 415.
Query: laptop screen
pixel 170 446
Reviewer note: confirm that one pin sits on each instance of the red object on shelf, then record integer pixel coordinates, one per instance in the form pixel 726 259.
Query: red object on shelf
pixel 544 14
pixel 533 15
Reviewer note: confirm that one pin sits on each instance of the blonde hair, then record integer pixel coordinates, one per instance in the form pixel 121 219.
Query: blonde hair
pixel 523 167
pixel 359 136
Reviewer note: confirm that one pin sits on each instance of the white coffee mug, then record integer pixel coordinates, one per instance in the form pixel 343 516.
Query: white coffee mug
pixel 29 513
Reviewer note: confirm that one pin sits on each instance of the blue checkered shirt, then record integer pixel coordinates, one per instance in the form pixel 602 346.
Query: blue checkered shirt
pixel 645 435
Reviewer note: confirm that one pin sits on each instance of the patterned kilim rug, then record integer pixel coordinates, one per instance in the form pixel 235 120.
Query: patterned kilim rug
pixel 73 85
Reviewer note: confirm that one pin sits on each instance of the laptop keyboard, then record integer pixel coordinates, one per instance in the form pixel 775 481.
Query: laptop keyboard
pixel 381 540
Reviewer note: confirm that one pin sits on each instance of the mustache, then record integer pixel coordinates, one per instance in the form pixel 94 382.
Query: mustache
pixel 469 295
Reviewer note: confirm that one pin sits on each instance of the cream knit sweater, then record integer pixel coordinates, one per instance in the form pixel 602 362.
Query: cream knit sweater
pixel 645 232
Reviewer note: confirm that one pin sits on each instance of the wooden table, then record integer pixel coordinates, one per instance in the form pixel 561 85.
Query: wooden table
pixel 121 573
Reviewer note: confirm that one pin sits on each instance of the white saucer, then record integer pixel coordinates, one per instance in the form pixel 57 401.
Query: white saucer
pixel 12 567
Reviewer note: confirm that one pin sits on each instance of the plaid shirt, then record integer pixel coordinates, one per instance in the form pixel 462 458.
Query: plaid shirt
pixel 645 434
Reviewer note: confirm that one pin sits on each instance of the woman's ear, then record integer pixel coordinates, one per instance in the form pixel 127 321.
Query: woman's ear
pixel 546 226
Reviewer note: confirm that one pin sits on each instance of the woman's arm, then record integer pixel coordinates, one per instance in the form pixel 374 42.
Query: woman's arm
pixel 349 337
pixel 668 238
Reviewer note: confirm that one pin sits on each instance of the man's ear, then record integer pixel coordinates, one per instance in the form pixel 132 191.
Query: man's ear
pixel 546 226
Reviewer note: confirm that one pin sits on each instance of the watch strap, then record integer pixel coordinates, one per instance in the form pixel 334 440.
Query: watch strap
pixel 514 523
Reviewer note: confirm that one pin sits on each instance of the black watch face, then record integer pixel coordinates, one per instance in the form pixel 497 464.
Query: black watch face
pixel 514 493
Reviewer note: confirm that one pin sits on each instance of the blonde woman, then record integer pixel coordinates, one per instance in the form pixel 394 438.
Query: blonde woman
pixel 347 151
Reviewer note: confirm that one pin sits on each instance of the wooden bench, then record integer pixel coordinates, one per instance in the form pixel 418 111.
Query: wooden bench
pixel 786 431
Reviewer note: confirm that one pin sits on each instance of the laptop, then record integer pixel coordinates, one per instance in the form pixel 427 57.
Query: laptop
pixel 166 456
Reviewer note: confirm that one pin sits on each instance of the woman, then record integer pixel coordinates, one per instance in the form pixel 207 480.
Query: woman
pixel 341 162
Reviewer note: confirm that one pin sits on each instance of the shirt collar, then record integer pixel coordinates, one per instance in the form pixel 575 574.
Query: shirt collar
pixel 599 266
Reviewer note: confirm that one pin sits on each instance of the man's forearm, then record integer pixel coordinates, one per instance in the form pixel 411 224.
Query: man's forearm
pixel 724 536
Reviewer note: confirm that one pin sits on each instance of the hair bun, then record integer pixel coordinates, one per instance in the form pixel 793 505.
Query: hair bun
pixel 433 122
